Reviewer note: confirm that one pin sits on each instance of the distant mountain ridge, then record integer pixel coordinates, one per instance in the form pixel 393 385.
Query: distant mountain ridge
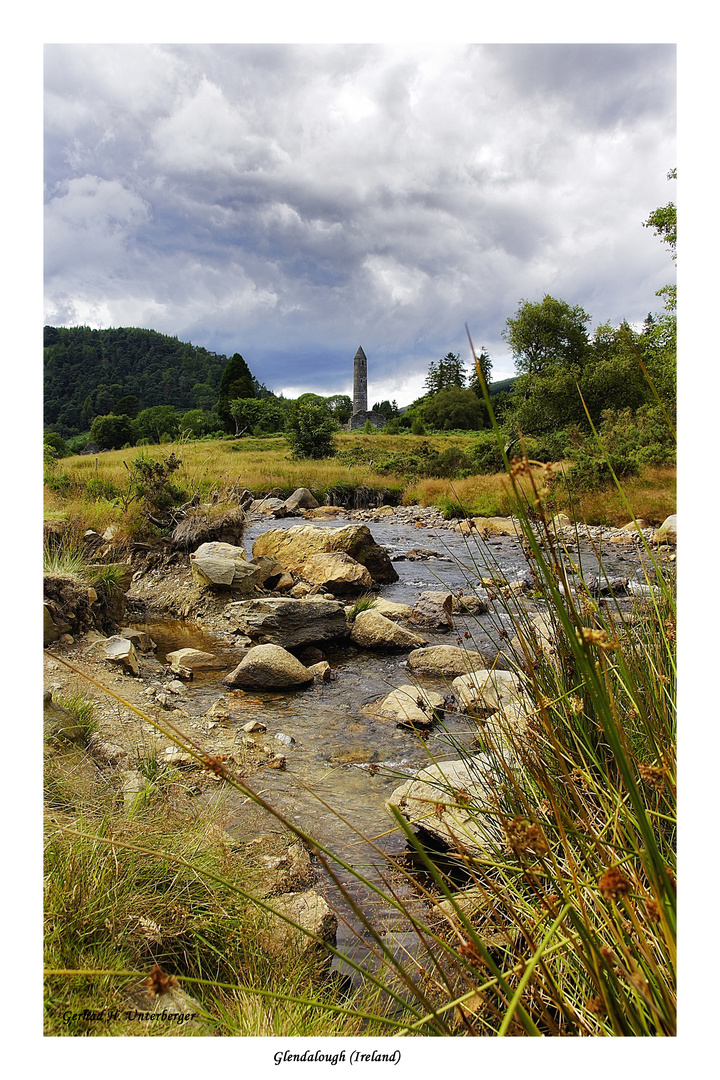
pixel 90 373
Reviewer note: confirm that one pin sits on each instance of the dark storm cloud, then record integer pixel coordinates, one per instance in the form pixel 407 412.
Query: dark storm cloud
pixel 594 85
pixel 293 202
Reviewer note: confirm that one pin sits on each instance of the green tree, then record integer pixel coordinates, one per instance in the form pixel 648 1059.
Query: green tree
pixel 446 374
pixel 387 408
pixel 310 430
pixel 454 408
pixel 245 413
pixel 340 406
pixel 613 377
pixel 542 404
pixel 261 417
pixel 664 221
pixel 200 422
pixel 129 405
pixel 547 336
pixel 158 420
pixel 236 382
pixel 55 444
pixel 660 332
pixel 87 412
pixel 482 368
pixel 112 432
pixel 204 396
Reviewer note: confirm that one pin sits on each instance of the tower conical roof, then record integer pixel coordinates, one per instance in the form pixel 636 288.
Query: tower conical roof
pixel 360 355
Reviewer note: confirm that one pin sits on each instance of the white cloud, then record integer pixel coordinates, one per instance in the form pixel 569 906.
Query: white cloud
pixel 89 224
pixel 291 201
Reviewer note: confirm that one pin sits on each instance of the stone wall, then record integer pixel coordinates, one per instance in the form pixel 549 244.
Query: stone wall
pixel 359 419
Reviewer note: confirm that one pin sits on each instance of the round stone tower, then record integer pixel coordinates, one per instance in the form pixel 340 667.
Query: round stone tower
pixel 360 382
pixel 360 414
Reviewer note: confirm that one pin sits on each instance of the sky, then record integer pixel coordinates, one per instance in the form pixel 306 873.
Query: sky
pixel 292 202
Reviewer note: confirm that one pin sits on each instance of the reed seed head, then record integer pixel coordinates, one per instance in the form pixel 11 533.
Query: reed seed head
pixel 613 884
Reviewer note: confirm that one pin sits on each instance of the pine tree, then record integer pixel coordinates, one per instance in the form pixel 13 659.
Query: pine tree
pixel 236 382
pixel 483 366
pixel 446 374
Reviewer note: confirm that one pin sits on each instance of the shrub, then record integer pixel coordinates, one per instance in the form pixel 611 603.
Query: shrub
pixel 626 442
pixel 310 431
pixel 454 464
pixel 486 454
pixel 151 482
pixel 454 409
pixel 552 446
pixel 363 603
pixel 65 559
pixel 591 472
pixel 112 432
pixel 55 445
pixel 96 489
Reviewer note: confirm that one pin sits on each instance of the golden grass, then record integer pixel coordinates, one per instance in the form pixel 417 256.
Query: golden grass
pixel 258 464
pixel 652 496
pixel 263 464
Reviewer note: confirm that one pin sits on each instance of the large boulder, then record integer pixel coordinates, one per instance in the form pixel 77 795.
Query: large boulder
pixel 204 524
pixel 391 609
pixel 219 565
pixel 411 707
pixel 194 660
pixel 269 667
pixel 475 603
pixel 541 629
pixel 301 499
pixel 293 547
pixel 372 630
pixel 52 630
pixel 269 505
pixel 507 726
pixel 271 569
pixel 338 573
pixel 488 691
pixel 433 610
pixel 449 801
pixel 603 585
pixel 279 866
pixel 667 533
pixel 446 660
pixel 289 622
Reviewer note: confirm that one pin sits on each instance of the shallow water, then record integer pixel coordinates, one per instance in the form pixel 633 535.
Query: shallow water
pixel 344 763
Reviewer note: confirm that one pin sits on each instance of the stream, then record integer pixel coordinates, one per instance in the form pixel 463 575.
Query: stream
pixel 342 763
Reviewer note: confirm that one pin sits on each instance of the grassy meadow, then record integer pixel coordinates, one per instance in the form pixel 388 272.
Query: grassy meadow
pixel 95 490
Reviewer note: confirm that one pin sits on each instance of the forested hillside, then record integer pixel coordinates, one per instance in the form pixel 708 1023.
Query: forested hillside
pixel 91 373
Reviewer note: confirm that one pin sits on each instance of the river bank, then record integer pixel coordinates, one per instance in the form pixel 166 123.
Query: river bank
pixel 322 755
